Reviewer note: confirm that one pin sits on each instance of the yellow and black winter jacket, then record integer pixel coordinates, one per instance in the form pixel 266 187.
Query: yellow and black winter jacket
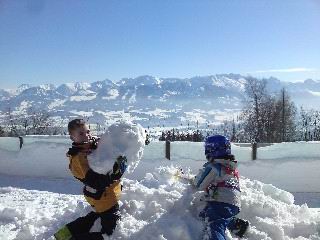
pixel 101 191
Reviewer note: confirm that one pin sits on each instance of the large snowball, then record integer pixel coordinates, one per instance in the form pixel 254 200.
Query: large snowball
pixel 123 138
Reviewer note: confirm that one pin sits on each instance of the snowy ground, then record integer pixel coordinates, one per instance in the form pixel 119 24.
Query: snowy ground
pixel 37 195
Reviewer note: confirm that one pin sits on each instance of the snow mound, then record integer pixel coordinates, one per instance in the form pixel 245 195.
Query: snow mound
pixel 160 206
pixel 273 214
pixel 122 138
pixel 171 201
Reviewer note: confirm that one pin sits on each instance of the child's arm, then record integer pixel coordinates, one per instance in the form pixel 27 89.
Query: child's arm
pixel 97 180
pixel 81 170
pixel 204 178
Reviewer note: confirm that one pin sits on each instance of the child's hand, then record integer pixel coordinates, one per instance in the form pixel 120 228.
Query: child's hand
pixel 119 167
pixel 122 163
pixel 93 142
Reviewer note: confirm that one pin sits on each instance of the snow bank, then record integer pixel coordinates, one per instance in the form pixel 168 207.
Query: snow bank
pixel 159 206
pixel 276 164
pixel 37 158
pixel 290 150
pixel 290 166
pixel 123 138
pixel 9 144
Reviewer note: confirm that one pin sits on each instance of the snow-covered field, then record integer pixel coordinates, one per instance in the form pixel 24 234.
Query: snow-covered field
pixel 38 194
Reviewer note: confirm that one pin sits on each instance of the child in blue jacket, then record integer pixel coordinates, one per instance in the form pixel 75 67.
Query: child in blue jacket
pixel 219 179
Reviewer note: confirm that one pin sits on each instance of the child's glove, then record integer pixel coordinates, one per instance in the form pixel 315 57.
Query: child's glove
pixel 119 167
pixel 93 142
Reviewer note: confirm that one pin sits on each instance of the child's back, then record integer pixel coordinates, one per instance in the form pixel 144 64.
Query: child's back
pixel 219 179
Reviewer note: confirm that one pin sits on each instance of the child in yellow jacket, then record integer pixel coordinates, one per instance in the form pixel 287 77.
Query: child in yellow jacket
pixel 102 191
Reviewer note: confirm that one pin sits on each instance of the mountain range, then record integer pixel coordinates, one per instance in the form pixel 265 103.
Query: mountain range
pixel 149 100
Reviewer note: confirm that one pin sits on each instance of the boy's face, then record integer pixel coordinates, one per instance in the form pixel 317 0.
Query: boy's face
pixel 81 134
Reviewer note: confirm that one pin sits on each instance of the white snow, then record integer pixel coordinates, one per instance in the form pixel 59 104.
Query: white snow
pixel 215 117
pixel 116 116
pixel 172 92
pixel 125 95
pixel 291 166
pixel 56 103
pixel 132 99
pixel 155 205
pixel 122 138
pixel 317 94
pixel 24 105
pixel 82 98
pixel 157 112
pixel 194 117
pixel 47 87
pixel 112 94
pixel 81 85
pixel 82 113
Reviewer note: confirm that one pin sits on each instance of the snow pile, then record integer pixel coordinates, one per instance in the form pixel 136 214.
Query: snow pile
pixel 273 215
pixel 28 215
pixel 155 205
pixel 123 138
pixel 158 207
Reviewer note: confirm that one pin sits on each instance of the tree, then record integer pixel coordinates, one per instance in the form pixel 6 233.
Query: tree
pixel 255 91
pixel 2 132
pixel 25 122
pixel 308 125
pixel 266 117
pixel 40 122
pixel 287 121
pixel 270 116
pixel 12 123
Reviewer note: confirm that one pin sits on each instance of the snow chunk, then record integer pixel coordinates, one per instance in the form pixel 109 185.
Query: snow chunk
pixel 122 138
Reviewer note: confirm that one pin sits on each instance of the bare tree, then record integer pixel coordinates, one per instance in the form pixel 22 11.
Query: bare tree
pixel 316 126
pixel 34 121
pixel 308 125
pixel 25 123
pixel 288 116
pixel 40 122
pixel 12 123
pixel 2 132
pixel 268 118
pixel 255 90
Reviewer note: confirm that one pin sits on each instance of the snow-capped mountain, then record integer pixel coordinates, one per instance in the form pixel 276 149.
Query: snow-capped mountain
pixel 149 100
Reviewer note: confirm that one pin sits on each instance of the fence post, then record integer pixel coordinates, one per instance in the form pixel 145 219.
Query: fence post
pixel 20 142
pixel 254 150
pixel 167 149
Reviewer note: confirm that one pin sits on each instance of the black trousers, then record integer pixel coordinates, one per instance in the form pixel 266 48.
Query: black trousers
pixel 81 226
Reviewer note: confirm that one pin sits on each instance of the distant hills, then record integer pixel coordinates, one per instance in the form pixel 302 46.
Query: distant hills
pixel 149 100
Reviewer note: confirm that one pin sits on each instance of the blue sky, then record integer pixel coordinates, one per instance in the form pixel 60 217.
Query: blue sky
pixel 44 41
